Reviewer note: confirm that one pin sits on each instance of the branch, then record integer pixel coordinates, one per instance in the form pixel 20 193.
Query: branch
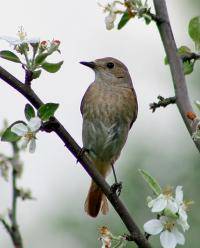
pixel 163 102
pixel 181 92
pixel 84 159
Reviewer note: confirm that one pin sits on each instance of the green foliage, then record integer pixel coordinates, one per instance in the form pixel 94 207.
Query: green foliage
pixel 197 103
pixel 36 74
pixel 10 136
pixel 52 67
pixel 40 58
pixel 153 184
pixel 125 18
pixel 29 111
pixel 188 65
pixel 47 110
pixel 194 31
pixel 8 55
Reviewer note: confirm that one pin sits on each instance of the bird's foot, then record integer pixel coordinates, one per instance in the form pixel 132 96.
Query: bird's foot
pixel 116 188
pixel 80 154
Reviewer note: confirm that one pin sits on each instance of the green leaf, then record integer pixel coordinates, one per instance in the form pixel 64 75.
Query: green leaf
pixel 52 67
pixel 197 104
pixel 147 18
pixel 194 31
pixel 182 51
pixel 29 111
pixel 188 67
pixel 40 58
pixel 36 74
pixel 125 18
pixel 5 54
pixel 10 136
pixel 47 110
pixel 153 184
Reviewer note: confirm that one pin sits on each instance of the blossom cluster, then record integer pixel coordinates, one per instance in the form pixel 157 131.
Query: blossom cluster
pixel 171 214
pixel 28 132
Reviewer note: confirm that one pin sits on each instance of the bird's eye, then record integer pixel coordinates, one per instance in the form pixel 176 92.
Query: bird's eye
pixel 110 65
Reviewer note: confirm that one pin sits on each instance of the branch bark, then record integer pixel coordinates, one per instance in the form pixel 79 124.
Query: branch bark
pixel 180 87
pixel 84 159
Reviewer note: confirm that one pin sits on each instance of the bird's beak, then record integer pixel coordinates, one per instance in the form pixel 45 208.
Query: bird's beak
pixel 89 64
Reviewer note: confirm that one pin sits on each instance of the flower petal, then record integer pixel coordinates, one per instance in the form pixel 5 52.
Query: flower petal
pixel 182 214
pixel 180 239
pixel 159 204
pixel 32 146
pixel 168 239
pixel 153 227
pixel 179 194
pixel 11 40
pixel 20 129
pixel 172 205
pixel 34 124
pixel 24 142
pixel 33 40
pixel 183 224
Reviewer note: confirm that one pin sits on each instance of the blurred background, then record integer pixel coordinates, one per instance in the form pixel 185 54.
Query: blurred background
pixel 158 142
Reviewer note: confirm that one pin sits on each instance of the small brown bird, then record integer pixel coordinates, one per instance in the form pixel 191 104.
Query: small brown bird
pixel 109 108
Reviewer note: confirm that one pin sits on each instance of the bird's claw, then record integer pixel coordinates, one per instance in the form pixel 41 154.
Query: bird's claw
pixel 80 154
pixel 116 188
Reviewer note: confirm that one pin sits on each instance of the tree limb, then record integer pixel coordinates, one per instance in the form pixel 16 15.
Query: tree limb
pixel 163 102
pixel 84 159
pixel 181 92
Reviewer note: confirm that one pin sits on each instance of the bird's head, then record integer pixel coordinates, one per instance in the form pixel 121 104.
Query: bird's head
pixel 109 70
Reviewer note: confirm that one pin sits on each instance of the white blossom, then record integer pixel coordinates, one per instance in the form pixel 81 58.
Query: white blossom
pixel 109 21
pixel 182 207
pixel 28 132
pixel 163 201
pixel 20 39
pixel 166 227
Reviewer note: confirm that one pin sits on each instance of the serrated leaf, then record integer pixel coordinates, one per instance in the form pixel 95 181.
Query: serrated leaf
pixel 10 136
pixel 29 111
pixel 52 67
pixel 47 110
pixel 194 31
pixel 36 74
pixel 125 18
pixel 153 184
pixel 40 58
pixel 8 55
pixel 188 67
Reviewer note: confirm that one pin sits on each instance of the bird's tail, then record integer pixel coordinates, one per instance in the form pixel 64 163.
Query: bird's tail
pixel 96 200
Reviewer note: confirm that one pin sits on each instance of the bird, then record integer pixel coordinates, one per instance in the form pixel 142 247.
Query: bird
pixel 109 108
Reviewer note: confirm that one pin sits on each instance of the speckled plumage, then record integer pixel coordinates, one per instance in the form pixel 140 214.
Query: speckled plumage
pixel 109 107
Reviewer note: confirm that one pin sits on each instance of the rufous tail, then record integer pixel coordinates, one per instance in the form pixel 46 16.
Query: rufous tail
pixel 95 201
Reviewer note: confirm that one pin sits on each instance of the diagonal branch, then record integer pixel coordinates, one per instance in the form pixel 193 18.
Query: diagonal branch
pixel 181 92
pixel 84 159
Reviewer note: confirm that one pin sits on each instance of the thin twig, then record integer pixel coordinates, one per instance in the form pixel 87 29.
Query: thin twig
pixel 15 233
pixel 163 102
pixel 181 92
pixel 84 159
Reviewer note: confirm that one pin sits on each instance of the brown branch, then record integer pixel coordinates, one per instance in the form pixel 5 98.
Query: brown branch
pixel 181 92
pixel 84 159
pixel 163 102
